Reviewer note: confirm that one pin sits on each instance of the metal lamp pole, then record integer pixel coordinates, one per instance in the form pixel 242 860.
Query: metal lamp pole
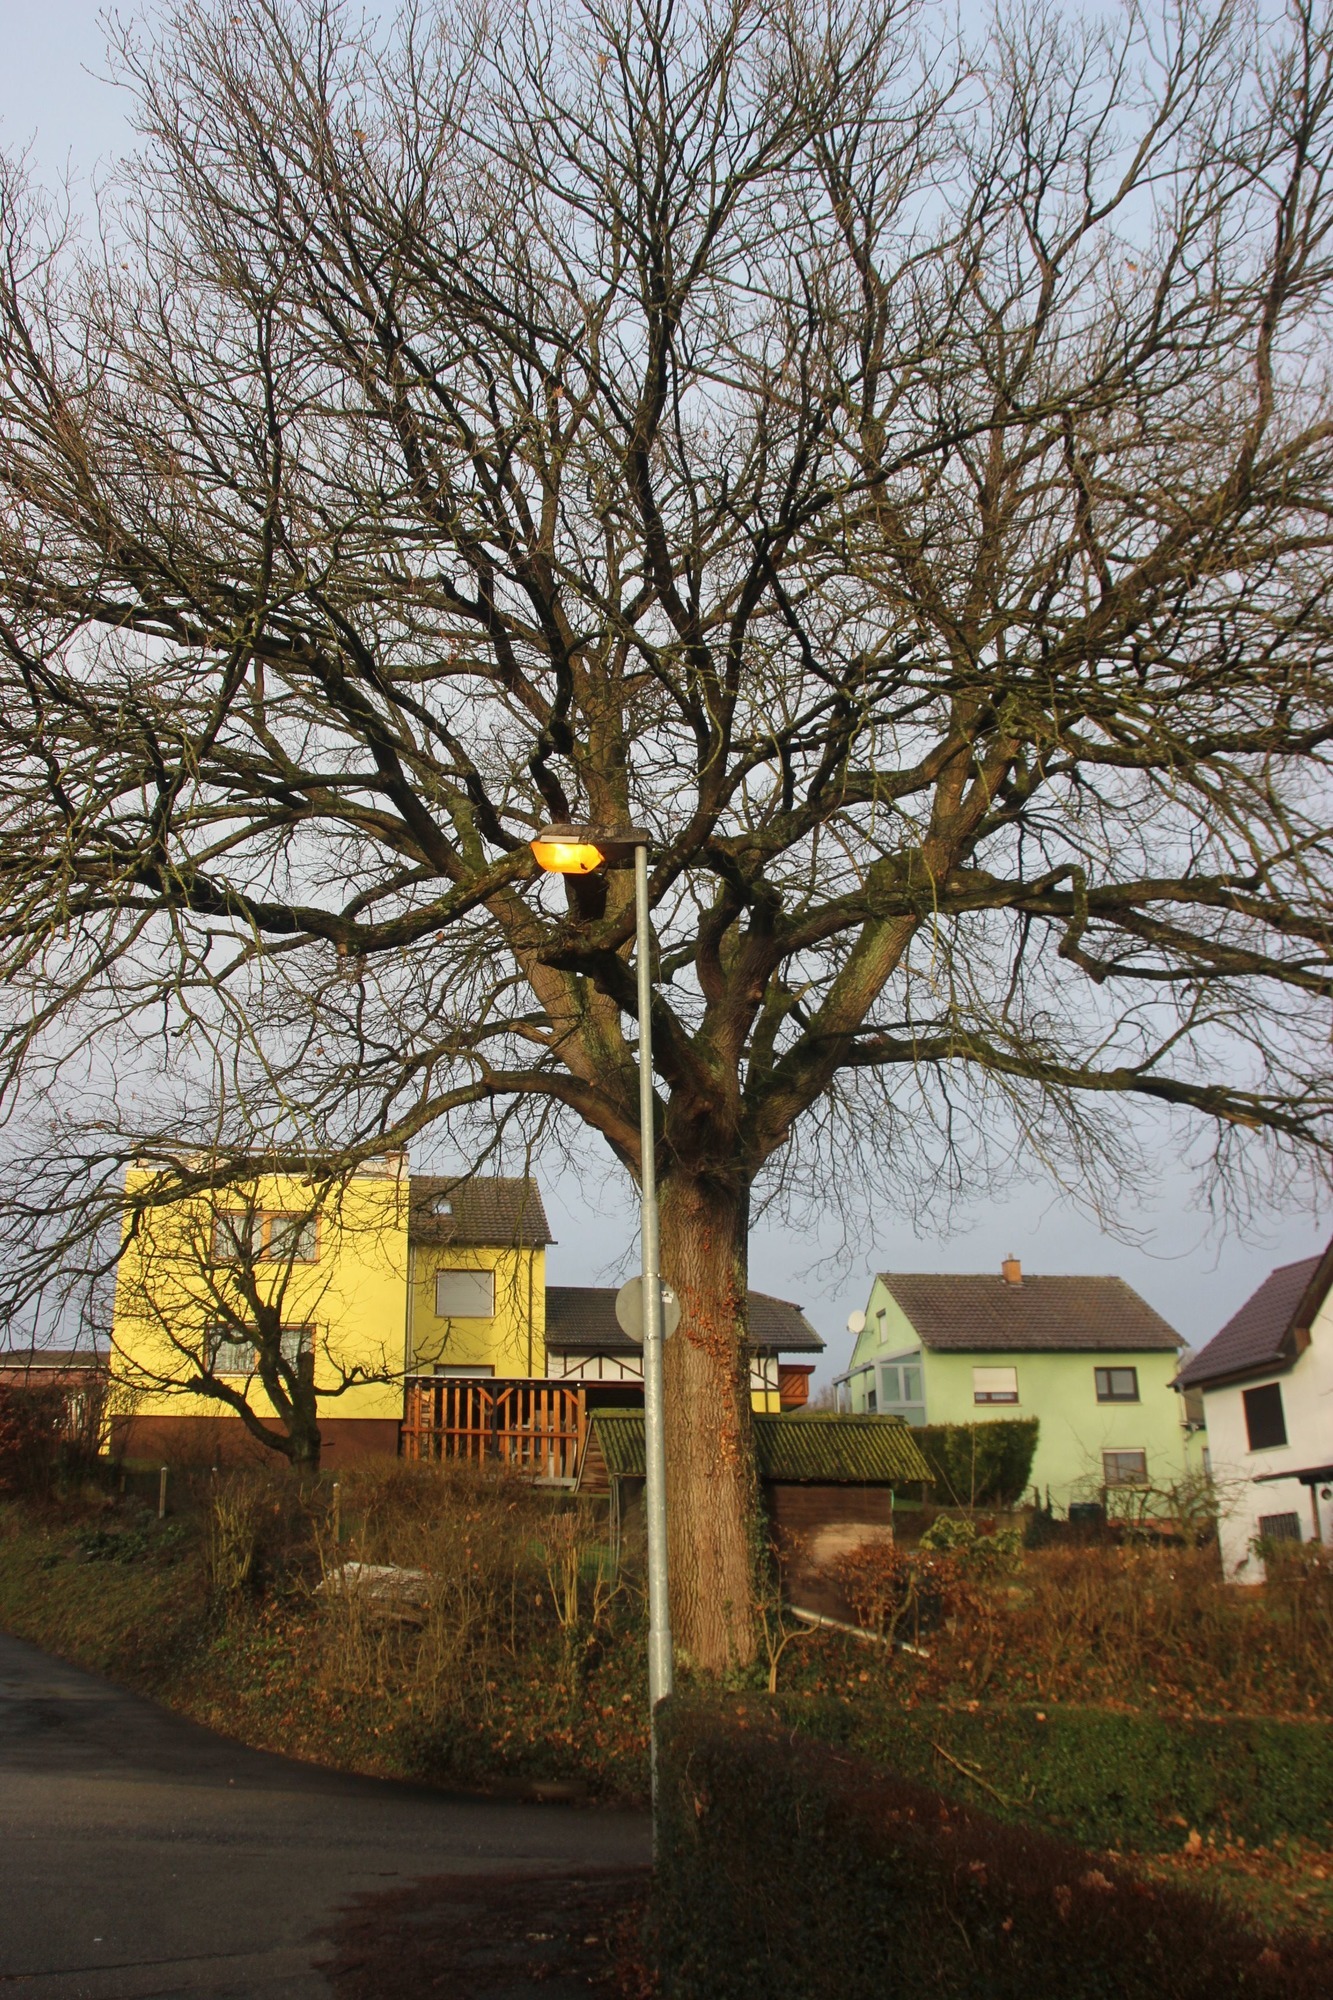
pixel 582 850
pixel 654 1429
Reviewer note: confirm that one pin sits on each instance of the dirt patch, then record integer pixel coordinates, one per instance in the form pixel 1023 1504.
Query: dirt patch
pixel 503 1936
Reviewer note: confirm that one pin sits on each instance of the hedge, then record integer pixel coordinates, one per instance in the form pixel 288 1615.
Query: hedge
pixel 787 1868
pixel 979 1465
pixel 1111 1778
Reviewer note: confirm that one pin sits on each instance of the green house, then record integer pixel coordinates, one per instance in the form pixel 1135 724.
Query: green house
pixel 1086 1356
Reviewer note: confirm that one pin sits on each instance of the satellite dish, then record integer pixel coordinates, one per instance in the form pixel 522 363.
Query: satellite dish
pixel 856 1322
pixel 629 1309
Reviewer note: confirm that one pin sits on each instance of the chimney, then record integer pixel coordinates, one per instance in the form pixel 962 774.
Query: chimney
pixel 1011 1271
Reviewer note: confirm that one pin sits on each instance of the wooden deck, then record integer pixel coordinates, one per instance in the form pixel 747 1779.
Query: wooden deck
pixel 535 1428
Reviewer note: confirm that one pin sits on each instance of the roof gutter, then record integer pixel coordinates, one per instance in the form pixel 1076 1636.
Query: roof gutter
pixel 1278 1364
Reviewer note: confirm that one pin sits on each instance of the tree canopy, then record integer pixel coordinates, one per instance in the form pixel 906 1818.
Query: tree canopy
pixel 894 472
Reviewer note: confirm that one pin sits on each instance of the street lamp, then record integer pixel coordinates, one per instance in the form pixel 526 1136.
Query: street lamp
pixel 582 850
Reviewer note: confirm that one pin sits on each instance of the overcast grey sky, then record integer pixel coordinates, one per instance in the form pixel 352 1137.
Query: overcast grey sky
pixel 51 98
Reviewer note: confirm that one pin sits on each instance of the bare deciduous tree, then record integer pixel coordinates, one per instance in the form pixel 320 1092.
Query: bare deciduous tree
pixel 222 1297
pixel 896 474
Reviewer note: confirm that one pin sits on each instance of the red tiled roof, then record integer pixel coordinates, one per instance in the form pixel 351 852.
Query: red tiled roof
pixel 1263 1334
pixel 974 1312
pixel 481 1209
pixel 582 1319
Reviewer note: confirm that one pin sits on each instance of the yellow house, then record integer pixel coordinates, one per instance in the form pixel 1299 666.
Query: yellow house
pixel 369 1316
pixel 477 1303
pixel 239 1292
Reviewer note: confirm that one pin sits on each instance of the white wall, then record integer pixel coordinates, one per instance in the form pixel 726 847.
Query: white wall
pixel 1307 1405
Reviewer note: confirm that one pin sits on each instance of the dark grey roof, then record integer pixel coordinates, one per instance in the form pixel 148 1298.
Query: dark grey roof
pixel 582 1319
pixel 1270 1328
pixel 976 1312
pixel 482 1210
pixel 49 1360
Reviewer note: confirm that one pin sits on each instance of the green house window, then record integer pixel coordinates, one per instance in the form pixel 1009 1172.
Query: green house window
pixel 1125 1468
pixel 994 1385
pixel 902 1391
pixel 1117 1385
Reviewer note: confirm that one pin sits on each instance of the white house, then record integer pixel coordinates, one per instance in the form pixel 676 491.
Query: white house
pixel 1267 1384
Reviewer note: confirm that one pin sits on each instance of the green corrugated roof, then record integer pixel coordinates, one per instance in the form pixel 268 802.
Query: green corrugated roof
pixel 836 1450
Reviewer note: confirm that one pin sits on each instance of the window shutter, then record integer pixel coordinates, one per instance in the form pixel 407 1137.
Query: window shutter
pixel 465 1294
pixel 995 1385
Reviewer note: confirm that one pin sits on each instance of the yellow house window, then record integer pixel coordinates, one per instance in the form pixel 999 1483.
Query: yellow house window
pixel 291 1239
pixel 229 1352
pixel 268 1236
pixel 465 1294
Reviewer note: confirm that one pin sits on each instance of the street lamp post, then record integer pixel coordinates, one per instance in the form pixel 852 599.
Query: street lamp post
pixel 582 850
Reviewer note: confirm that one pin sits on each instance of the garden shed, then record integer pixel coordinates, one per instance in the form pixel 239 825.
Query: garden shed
pixel 828 1480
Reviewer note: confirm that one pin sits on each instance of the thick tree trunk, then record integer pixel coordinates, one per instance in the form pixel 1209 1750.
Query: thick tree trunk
pixel 712 1495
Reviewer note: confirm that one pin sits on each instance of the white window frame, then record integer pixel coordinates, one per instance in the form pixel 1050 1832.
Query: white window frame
pixel 892 1398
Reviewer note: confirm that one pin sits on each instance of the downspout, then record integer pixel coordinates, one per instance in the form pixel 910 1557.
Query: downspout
pixel 531 1259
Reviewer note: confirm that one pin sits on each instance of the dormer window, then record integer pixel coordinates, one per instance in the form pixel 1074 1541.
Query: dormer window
pixel 442 1205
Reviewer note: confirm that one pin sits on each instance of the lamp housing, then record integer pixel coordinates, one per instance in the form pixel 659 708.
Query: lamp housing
pixel 570 849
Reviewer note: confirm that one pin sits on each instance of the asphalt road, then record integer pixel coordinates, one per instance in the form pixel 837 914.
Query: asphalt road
pixel 142 1855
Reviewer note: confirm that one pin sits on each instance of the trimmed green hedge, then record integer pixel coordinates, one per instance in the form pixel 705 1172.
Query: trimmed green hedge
pixel 1113 1779
pixel 979 1465
pixel 785 1868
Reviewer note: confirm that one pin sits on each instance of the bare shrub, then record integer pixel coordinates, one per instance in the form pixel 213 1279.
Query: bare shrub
pixel 1151 1622
pixel 231 1534
pixel 889 1587
pixel 1299 1594
pixel 506 1565
pixel 47 1429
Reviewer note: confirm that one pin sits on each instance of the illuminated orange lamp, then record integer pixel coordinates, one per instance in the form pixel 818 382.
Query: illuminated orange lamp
pixel 582 850
pixel 570 856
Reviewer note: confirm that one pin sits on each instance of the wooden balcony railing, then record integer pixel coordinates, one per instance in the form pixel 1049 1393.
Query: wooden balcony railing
pixel 536 1428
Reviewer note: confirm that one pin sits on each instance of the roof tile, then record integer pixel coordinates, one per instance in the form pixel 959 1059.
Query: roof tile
pixel 580 1318
pixel 481 1209
pixel 1259 1335
pixel 979 1313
